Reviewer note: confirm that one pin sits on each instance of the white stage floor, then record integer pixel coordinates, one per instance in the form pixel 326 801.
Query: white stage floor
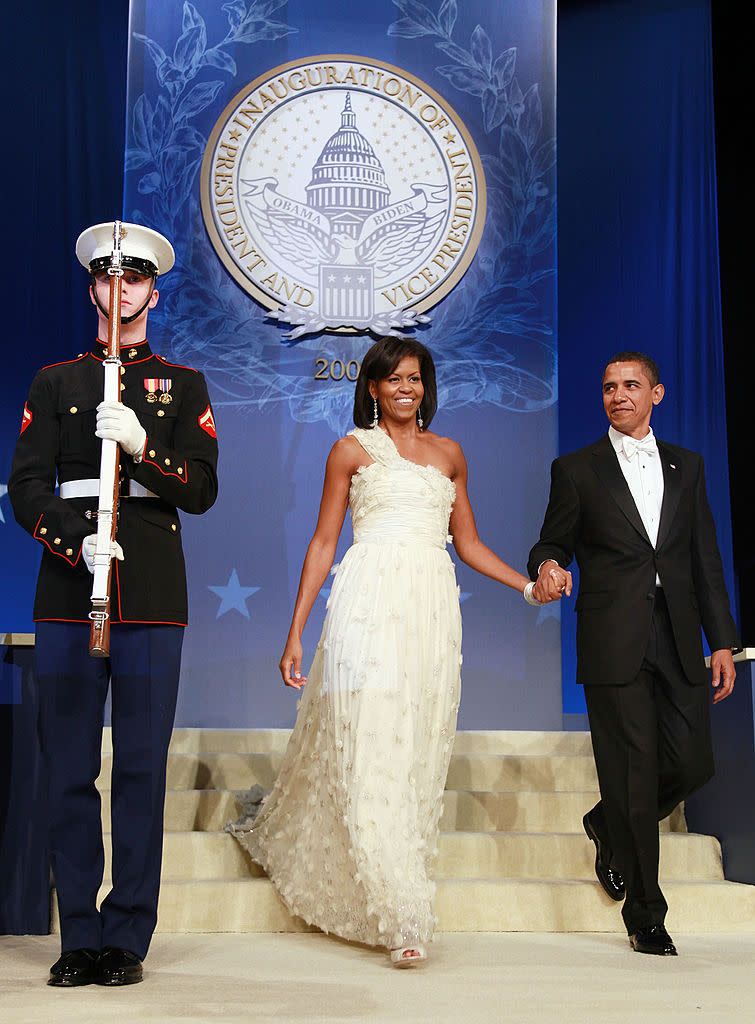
pixel 471 979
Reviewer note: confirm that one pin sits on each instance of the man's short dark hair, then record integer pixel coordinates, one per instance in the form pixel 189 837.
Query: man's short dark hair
pixel 647 363
pixel 379 362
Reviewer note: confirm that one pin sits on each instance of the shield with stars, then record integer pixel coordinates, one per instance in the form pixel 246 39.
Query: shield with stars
pixel 346 294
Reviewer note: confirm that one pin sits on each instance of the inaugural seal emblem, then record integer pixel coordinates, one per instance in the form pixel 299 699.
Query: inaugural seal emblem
pixel 343 193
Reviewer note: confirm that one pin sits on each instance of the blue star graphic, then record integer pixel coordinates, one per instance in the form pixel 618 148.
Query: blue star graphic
pixel 552 610
pixel 233 596
pixel 3 492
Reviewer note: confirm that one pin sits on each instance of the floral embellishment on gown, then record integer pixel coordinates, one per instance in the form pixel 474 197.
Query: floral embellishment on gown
pixel 349 832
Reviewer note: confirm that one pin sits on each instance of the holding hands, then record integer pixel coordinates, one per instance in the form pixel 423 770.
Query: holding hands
pixel 552 582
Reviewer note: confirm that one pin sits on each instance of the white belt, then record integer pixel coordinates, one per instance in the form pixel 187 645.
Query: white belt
pixel 91 489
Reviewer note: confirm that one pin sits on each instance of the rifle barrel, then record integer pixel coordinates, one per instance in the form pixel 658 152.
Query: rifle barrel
pixel 107 505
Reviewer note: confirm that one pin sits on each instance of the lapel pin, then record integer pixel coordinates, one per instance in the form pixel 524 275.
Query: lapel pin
pixel 672 465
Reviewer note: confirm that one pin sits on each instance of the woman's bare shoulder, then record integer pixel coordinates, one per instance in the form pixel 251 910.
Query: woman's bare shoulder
pixel 450 448
pixel 346 454
pixel 448 456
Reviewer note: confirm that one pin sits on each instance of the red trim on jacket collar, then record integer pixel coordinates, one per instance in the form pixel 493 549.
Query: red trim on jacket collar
pixel 128 362
pixel 98 352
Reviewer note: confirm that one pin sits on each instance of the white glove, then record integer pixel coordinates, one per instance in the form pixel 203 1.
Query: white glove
pixel 116 422
pixel 88 548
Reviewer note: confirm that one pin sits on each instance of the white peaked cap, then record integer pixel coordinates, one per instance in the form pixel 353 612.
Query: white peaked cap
pixel 137 242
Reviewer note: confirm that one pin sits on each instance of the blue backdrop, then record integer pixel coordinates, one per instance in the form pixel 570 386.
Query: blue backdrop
pixel 638 246
pixel 74 179
pixel 638 266
pixel 493 335
pixel 71 175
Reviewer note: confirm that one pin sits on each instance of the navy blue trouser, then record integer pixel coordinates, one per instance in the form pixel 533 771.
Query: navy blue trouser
pixel 142 671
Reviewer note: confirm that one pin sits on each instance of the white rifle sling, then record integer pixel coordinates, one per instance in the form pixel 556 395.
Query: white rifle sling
pixel 106 503
pixel 105 510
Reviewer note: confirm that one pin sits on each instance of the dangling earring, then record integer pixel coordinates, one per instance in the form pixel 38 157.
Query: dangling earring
pixel 420 421
pixel 375 412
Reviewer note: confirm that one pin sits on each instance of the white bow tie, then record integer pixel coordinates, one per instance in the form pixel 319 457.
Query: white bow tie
pixel 631 446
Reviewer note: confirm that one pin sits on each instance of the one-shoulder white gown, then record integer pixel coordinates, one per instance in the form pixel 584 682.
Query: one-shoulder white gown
pixel 349 832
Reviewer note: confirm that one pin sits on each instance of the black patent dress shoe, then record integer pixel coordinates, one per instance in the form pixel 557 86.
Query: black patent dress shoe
pixel 76 967
pixel 609 878
pixel 653 939
pixel 118 967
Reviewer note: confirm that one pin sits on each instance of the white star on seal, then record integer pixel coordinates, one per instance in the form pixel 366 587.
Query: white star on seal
pixel 3 492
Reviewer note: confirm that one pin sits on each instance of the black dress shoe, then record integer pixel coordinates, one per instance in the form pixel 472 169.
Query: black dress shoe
pixel 118 967
pixel 76 967
pixel 610 879
pixel 653 939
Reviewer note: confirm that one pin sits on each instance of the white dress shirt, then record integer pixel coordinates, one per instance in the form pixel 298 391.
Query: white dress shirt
pixel 643 473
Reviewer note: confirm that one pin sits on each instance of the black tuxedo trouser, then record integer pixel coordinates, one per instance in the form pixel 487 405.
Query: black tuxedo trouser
pixel 652 746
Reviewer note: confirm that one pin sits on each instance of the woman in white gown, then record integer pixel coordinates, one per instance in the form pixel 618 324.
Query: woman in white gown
pixel 350 829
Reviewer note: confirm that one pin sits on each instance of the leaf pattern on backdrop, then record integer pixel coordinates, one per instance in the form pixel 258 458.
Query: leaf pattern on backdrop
pixel 493 339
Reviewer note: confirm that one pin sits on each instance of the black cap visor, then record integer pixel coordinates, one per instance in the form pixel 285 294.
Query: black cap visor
pixel 137 263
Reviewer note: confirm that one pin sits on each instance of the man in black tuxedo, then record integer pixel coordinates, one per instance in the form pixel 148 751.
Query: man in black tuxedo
pixel 635 514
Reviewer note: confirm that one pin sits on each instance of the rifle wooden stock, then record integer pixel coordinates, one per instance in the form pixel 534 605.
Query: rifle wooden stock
pixel 110 461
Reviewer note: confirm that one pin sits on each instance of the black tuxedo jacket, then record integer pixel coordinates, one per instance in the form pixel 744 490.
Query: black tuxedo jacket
pixel 591 515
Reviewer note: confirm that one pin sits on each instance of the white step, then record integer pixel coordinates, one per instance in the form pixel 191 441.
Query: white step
pixel 466 905
pixel 495 772
pixel 512 853
pixel 209 810
pixel 483 811
pixel 265 741
pixel 217 855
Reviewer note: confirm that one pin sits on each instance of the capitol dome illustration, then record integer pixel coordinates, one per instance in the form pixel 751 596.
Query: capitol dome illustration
pixel 348 181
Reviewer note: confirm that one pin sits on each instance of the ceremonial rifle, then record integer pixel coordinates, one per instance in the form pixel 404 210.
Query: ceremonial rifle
pixel 110 461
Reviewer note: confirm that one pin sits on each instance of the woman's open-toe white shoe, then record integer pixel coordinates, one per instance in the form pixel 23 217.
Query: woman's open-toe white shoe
pixel 408 956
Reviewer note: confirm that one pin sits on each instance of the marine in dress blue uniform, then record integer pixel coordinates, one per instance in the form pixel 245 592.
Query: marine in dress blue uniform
pixel 166 430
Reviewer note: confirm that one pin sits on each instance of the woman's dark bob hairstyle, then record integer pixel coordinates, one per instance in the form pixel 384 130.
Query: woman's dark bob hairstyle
pixel 379 362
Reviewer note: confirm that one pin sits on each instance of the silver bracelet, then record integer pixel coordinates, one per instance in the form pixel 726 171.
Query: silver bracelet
pixel 527 595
